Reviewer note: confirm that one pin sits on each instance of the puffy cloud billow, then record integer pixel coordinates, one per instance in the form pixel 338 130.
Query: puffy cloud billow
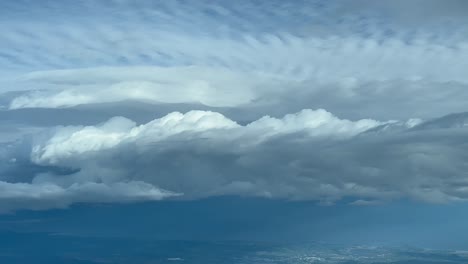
pixel 123 101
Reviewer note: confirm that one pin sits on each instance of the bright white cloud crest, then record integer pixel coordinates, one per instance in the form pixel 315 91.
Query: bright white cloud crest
pixel 73 142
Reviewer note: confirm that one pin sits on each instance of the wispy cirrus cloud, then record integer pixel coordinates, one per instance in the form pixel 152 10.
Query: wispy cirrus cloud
pixel 231 58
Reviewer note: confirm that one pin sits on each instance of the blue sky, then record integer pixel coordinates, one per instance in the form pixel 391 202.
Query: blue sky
pixel 345 105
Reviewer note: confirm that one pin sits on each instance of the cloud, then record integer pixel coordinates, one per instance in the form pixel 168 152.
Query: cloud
pixel 49 195
pixel 249 66
pixel 208 86
pixel 72 142
pixel 119 160
pixel 351 76
pixel 269 58
pixel 309 155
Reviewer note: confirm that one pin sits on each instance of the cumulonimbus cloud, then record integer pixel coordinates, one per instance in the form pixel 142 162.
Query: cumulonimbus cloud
pixel 256 58
pixel 310 155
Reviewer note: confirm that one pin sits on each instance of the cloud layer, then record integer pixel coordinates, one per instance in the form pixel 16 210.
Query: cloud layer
pixel 276 56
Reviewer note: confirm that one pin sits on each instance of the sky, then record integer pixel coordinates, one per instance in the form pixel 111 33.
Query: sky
pixel 345 105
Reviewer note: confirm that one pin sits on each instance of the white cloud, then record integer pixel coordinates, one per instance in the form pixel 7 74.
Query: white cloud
pixel 208 86
pixel 273 54
pixel 73 142
pixel 36 196
pixel 344 71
